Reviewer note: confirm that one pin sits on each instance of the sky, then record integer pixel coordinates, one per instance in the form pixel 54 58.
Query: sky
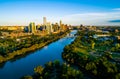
pixel 73 12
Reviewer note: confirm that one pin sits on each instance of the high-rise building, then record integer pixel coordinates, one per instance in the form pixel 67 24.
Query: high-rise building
pixel 56 27
pixel 61 27
pixel 44 20
pixel 49 28
pixel 60 22
pixel 32 27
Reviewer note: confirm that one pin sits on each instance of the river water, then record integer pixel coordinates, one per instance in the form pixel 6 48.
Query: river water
pixel 15 69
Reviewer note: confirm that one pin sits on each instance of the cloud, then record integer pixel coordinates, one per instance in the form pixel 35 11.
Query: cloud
pixel 92 18
pixel 116 9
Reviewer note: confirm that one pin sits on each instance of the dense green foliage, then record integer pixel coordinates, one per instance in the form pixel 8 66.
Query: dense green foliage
pixel 9 47
pixel 92 55
pixel 55 70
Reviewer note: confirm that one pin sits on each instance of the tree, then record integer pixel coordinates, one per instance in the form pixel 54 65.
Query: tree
pixel 57 63
pixel 117 76
pixel 92 44
pixel 27 77
pixel 39 70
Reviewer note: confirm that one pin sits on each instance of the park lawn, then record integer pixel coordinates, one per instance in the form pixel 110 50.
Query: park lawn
pixel 81 50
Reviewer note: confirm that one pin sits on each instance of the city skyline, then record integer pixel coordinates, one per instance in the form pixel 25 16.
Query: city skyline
pixel 74 12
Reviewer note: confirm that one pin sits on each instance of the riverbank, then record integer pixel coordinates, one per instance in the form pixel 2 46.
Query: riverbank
pixel 84 53
pixel 24 64
pixel 32 48
pixel 55 70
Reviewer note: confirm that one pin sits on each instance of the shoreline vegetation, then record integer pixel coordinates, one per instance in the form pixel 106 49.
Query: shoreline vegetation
pixel 92 56
pixel 55 70
pixel 25 50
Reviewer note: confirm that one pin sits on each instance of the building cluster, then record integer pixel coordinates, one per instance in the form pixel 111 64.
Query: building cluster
pixel 87 28
pixel 12 28
pixel 12 31
pixel 46 27
pixel 22 31
pixel 43 29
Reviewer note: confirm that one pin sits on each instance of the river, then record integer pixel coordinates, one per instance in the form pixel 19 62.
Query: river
pixel 15 69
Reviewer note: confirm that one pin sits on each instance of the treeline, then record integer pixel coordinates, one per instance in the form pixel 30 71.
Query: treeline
pixel 55 70
pixel 10 48
pixel 81 53
pixel 8 45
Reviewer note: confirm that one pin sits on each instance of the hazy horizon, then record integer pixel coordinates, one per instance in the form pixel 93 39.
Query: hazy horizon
pixel 74 12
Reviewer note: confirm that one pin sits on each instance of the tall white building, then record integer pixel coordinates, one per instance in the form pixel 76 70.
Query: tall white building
pixel 61 27
pixel 44 21
pixel 60 22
